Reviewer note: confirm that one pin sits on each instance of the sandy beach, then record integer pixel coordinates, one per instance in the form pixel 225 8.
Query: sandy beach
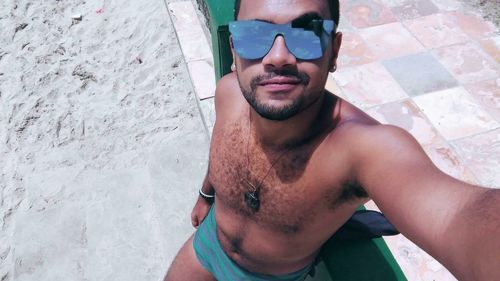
pixel 102 145
pixel 98 127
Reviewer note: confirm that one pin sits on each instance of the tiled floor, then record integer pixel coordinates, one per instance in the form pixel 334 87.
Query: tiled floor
pixel 419 74
pixel 445 59
pixel 431 67
pixel 195 48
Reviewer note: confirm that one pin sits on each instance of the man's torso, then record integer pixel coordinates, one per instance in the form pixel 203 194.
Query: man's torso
pixel 306 190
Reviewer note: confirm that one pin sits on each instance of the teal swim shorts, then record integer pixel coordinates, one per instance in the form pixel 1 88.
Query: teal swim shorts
pixel 212 257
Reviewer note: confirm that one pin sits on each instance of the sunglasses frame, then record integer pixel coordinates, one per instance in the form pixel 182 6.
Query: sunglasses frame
pixel 322 30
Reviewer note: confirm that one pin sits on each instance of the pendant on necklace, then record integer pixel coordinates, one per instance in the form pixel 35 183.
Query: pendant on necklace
pixel 252 200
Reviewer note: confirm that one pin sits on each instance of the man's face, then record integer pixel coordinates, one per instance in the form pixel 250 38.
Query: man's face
pixel 279 85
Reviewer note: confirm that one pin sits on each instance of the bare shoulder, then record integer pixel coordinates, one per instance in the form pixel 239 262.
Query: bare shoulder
pixel 228 97
pixel 380 137
pixel 225 86
pixel 369 146
pixel 364 145
pixel 358 128
pixel 366 135
pixel 376 144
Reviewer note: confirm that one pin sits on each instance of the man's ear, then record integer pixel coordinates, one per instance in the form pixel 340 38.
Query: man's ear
pixel 337 42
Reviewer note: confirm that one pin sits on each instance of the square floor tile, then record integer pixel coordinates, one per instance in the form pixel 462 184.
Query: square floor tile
pixel 474 25
pixel 407 115
pixel 455 114
pixel 191 37
pixel 203 77
pixel 368 85
pixel 492 47
pixel 345 25
pixel 390 41
pixel 487 93
pixel 354 50
pixel 481 153
pixel 415 263
pixel 207 108
pixel 334 88
pixel 365 13
pixel 420 73
pixel 447 160
pixel 436 30
pixel 411 9
pixel 467 63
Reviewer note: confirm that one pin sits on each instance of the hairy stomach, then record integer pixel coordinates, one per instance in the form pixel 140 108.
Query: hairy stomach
pixel 265 249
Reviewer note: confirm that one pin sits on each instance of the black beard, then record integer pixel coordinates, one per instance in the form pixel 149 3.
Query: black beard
pixel 270 112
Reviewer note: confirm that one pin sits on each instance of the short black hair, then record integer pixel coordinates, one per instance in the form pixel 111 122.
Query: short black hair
pixel 334 10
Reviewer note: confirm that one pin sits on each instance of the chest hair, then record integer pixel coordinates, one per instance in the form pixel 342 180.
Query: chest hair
pixel 282 192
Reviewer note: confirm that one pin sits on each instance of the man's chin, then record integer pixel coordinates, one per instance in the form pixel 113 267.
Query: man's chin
pixel 276 106
pixel 276 113
pixel 274 116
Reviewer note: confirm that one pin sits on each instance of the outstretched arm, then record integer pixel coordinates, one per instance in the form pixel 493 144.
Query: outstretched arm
pixel 457 223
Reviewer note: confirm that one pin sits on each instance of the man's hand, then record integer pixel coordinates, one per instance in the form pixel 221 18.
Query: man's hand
pixel 200 211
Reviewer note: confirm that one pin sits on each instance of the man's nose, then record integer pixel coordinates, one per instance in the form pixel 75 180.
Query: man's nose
pixel 279 56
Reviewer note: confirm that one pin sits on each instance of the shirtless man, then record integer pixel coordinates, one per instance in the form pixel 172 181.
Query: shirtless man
pixel 290 163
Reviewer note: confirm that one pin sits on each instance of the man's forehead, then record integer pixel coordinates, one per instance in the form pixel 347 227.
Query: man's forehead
pixel 281 11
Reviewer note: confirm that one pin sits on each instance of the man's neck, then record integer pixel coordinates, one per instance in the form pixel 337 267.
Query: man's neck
pixel 290 132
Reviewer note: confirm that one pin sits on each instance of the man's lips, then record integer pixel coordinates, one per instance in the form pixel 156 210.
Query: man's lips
pixel 280 80
pixel 280 84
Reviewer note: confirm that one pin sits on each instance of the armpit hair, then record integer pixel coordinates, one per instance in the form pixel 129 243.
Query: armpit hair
pixel 349 191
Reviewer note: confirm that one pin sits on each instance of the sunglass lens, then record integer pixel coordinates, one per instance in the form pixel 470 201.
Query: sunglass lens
pixel 252 39
pixel 309 43
pixel 304 45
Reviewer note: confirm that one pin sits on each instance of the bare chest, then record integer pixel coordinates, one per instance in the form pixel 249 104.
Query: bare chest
pixel 283 181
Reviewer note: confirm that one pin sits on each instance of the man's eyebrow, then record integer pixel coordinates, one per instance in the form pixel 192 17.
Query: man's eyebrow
pixel 307 17
pixel 305 20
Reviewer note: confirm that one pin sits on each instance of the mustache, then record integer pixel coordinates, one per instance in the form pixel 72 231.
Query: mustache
pixel 301 77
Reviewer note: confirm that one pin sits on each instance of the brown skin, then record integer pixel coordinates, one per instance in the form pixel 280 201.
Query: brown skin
pixel 318 160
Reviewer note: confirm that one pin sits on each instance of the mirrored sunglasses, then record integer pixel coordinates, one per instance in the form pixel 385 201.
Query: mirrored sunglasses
pixel 253 39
